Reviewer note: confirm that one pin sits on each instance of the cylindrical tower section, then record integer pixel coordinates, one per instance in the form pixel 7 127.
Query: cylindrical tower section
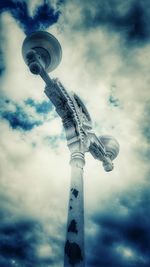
pixel 74 246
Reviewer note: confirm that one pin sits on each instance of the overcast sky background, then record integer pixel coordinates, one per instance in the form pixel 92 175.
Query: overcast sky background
pixel 106 61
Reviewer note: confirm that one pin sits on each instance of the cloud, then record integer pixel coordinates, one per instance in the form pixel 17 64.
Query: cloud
pixel 2 64
pixel 146 123
pixel 110 71
pixel 29 201
pixel 122 238
pixel 113 100
pixel 41 108
pixel 129 19
pixel 43 17
pixel 22 117
pixel 24 242
pixel 2 47
pixel 19 119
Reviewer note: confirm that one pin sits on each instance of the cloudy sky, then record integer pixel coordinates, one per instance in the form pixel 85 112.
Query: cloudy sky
pixel 106 60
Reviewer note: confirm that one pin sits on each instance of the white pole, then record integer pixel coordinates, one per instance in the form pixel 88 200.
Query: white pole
pixel 74 246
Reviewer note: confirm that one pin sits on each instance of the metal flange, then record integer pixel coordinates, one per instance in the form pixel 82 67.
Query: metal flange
pixel 46 47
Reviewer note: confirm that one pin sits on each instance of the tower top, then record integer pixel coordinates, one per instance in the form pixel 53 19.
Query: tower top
pixel 46 47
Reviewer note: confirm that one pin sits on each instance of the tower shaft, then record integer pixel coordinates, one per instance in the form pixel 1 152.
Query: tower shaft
pixel 74 255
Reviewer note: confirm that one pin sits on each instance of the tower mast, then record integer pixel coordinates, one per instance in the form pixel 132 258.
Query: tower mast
pixel 42 53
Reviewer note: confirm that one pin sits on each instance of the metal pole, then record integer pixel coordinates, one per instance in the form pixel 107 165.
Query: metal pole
pixel 74 246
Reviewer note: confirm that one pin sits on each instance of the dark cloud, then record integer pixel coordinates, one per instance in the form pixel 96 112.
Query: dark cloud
pixel 17 119
pixel 26 240
pixel 41 108
pixel 43 17
pixel 23 238
pixel 132 24
pixel 2 49
pixel 122 227
pixel 129 18
pixel 2 65
pixel 18 244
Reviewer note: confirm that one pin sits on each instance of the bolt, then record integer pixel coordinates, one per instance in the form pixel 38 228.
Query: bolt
pixel 35 68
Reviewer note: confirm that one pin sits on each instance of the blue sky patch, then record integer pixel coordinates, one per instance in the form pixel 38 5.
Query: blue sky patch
pixel 41 108
pixel 43 17
pixel 18 118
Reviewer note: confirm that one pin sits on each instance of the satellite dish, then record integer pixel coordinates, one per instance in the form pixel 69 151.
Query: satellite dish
pixel 111 145
pixel 46 46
